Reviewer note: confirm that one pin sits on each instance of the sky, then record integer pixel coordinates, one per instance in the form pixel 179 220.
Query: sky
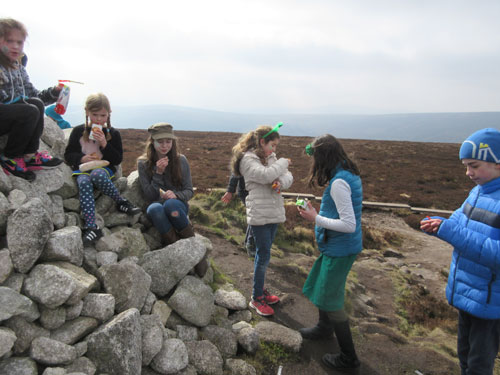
pixel 273 56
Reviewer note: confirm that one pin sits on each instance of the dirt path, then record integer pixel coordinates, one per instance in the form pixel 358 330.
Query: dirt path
pixel 381 347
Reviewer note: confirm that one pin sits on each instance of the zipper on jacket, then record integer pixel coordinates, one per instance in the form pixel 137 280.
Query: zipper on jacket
pixel 458 259
pixel 492 280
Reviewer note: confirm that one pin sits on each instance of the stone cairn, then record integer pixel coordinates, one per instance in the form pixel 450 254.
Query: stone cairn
pixel 125 306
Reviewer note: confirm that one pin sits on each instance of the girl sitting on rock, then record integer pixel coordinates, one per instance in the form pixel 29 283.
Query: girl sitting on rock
pixel 21 107
pixel 165 179
pixel 94 155
pixel 339 239
pixel 265 175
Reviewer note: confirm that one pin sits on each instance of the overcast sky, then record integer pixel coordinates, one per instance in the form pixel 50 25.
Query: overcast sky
pixel 314 56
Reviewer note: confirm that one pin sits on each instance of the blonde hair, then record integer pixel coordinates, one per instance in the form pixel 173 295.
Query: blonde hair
pixel 251 141
pixel 94 103
pixel 6 27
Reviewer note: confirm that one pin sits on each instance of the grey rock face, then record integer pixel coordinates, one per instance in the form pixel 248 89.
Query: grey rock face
pixel 73 330
pixel 240 367
pixel 249 339
pixel 224 339
pixel 230 299
pixel 187 333
pixel 99 306
pixel 14 304
pixel 152 337
pixel 49 285
pixel 243 315
pixel 115 348
pixel 51 352
pixel 25 250
pixel 193 301
pixel 278 334
pixel 6 266
pixel 64 245
pixel 169 265
pixel 81 365
pixel 125 242
pixel 84 282
pixel 18 366
pixel 52 318
pixel 7 340
pixel 205 357
pixel 172 358
pixel 4 212
pixel 128 283
pixel 25 332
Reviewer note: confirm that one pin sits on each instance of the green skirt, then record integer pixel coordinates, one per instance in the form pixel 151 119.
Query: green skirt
pixel 325 284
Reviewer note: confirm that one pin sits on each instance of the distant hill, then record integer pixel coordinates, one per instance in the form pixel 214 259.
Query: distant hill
pixel 416 127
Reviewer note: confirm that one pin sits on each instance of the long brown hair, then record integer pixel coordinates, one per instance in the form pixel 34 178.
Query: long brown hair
pixel 174 163
pixel 94 103
pixel 251 141
pixel 328 154
pixel 6 26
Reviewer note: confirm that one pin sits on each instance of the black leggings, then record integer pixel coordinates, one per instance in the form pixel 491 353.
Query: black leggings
pixel 23 122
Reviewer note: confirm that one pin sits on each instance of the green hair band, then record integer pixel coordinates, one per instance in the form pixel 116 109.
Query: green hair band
pixel 275 129
pixel 310 149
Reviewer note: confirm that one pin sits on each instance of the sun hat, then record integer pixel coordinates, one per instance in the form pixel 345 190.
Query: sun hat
pixel 161 130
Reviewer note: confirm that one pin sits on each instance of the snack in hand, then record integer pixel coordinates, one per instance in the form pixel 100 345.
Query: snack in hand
pixel 302 203
pixel 88 166
pixel 95 129
pixel 162 191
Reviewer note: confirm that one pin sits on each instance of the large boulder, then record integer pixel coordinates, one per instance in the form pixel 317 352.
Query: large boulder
pixel 116 347
pixel 25 250
pixel 128 283
pixel 193 301
pixel 168 266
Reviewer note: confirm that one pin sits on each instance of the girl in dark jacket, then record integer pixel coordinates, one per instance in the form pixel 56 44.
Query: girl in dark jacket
pixel 94 151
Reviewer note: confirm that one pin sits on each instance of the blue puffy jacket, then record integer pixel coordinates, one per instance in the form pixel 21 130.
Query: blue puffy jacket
pixel 474 232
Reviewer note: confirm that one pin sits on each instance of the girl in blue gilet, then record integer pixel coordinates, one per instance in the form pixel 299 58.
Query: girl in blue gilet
pixel 338 235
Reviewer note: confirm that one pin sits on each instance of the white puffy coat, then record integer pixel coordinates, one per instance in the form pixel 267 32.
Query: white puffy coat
pixel 263 204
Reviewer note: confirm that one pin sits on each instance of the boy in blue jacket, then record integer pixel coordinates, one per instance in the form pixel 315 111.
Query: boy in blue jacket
pixel 474 232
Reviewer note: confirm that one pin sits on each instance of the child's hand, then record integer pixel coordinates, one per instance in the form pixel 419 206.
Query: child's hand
pixel 430 225
pixel 161 164
pixel 276 186
pixel 226 198
pixel 90 157
pixel 169 194
pixel 99 137
pixel 309 214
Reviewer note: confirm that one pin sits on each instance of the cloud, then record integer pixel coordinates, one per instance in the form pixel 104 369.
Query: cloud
pixel 261 56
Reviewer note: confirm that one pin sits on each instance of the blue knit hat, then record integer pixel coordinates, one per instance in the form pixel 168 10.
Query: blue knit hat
pixel 482 145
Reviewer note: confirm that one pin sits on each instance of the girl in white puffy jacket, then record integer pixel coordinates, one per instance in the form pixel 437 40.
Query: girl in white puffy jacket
pixel 254 158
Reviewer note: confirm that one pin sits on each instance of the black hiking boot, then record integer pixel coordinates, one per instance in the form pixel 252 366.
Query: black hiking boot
pixel 347 358
pixel 322 330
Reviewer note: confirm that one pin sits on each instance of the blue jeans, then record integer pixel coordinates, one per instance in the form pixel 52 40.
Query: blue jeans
pixel 172 213
pixel 477 344
pixel 263 236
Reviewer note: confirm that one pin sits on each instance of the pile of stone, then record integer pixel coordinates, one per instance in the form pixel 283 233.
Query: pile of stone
pixel 125 306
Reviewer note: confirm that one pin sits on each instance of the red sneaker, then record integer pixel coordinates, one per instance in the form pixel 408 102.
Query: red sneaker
pixel 261 307
pixel 270 299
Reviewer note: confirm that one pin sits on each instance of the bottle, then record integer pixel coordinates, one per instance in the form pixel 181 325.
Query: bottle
pixel 62 100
